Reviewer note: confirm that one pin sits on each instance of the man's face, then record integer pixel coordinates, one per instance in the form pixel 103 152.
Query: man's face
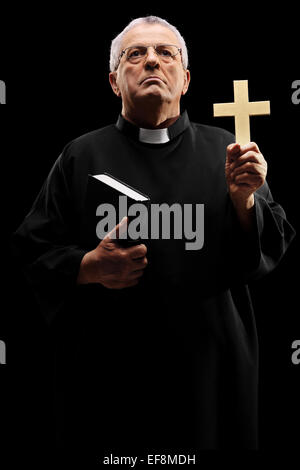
pixel 130 80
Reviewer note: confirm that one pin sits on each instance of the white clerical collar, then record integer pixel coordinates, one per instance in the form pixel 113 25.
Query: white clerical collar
pixel 154 136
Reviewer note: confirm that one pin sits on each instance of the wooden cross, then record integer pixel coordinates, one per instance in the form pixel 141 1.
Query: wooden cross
pixel 241 109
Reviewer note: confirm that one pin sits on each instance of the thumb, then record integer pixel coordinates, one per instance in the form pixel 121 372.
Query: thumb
pixel 118 231
pixel 233 151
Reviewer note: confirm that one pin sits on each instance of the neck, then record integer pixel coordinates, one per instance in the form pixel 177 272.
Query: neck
pixel 149 117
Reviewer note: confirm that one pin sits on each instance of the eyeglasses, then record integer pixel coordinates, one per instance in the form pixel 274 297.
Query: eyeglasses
pixel 135 54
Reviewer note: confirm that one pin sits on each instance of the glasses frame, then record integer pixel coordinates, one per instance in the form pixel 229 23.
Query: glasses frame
pixel 179 50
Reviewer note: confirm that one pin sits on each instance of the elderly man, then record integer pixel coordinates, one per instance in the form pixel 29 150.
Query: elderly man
pixel 156 345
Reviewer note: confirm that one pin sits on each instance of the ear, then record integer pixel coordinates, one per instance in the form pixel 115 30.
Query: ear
pixel 187 79
pixel 113 83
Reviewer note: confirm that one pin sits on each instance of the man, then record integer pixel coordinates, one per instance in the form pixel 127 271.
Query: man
pixel 156 345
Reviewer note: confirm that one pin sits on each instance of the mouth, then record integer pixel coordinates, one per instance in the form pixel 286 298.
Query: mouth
pixel 152 78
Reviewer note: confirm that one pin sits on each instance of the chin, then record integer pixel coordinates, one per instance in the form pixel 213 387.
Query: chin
pixel 154 94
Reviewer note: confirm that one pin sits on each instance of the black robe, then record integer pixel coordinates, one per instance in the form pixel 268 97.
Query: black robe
pixel 171 363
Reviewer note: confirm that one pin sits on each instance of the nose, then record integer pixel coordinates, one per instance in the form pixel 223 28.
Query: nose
pixel 151 60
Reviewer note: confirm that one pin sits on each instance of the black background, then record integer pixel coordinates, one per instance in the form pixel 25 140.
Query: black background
pixel 55 65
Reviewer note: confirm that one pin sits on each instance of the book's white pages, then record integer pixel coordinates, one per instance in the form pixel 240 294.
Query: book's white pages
pixel 122 188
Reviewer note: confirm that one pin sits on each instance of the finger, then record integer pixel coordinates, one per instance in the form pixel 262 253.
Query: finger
pixel 233 148
pixel 249 179
pixel 249 156
pixel 250 146
pixel 137 251
pixel 140 263
pixel 248 167
pixel 118 230
pixel 233 151
pixel 136 274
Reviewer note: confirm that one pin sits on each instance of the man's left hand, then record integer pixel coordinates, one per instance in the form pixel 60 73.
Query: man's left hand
pixel 245 171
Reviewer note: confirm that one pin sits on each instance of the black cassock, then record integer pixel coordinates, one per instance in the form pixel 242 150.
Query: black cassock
pixel 171 363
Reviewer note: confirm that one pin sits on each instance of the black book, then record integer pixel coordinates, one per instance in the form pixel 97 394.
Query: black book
pixel 107 201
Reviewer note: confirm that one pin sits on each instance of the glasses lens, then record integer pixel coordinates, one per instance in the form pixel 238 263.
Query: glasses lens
pixel 166 52
pixel 134 54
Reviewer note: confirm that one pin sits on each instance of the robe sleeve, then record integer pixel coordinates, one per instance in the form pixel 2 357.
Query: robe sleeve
pixel 45 245
pixel 260 251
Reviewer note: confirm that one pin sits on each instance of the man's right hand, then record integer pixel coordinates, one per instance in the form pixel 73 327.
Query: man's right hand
pixel 112 265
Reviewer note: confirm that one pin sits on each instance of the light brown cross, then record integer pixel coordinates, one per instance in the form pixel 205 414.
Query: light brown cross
pixel 241 109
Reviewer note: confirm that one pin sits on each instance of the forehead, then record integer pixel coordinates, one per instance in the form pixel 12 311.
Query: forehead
pixel 145 34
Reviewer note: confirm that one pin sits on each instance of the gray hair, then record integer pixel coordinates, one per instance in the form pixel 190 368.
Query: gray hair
pixel 116 45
